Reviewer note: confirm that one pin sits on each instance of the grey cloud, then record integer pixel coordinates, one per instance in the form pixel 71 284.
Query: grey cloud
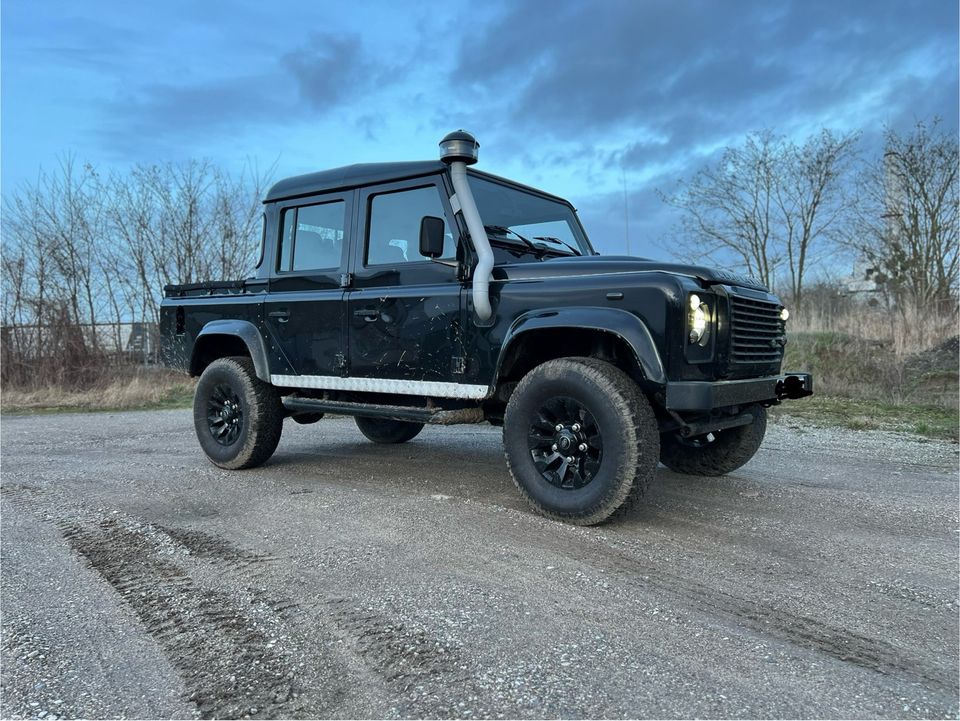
pixel 164 115
pixel 329 69
pixel 324 74
pixel 583 70
pixel 692 76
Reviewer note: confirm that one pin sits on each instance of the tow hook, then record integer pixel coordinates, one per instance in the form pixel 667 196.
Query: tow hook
pixel 795 385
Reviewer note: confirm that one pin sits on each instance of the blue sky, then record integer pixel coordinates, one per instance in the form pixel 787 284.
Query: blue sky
pixel 574 97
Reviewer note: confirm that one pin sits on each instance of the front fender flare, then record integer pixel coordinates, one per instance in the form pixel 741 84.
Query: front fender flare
pixel 245 331
pixel 621 323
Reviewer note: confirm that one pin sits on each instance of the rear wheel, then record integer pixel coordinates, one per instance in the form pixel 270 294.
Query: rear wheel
pixel 717 453
pixel 384 430
pixel 580 439
pixel 238 418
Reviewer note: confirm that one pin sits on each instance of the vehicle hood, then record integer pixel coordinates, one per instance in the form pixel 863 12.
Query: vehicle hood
pixel 609 264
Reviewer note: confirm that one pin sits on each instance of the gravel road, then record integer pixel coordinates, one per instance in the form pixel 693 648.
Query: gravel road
pixel 345 579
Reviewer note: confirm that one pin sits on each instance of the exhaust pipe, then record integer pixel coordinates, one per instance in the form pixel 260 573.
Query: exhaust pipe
pixel 458 150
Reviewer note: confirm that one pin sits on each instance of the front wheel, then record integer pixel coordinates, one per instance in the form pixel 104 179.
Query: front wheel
pixel 581 440
pixel 238 417
pixel 717 453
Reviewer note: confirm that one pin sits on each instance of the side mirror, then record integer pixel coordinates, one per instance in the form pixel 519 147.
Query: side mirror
pixel 431 237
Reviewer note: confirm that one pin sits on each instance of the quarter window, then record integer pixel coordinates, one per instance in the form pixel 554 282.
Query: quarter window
pixel 312 237
pixel 394 233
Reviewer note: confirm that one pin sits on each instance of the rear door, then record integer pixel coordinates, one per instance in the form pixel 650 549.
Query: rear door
pixel 404 311
pixel 304 311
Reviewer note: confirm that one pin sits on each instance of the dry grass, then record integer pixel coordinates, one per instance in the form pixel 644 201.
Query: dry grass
pixel 902 332
pixel 878 369
pixel 847 366
pixel 130 388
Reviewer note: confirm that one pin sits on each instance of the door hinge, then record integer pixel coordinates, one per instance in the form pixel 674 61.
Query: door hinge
pixel 346 280
pixel 458 365
pixel 341 362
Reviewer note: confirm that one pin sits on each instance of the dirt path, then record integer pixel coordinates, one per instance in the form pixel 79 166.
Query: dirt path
pixel 346 579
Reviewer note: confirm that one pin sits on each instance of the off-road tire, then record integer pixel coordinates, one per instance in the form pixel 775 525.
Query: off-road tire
pixel 729 450
pixel 626 423
pixel 261 421
pixel 384 430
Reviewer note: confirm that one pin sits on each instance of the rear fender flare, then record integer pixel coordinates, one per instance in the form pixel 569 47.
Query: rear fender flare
pixel 245 331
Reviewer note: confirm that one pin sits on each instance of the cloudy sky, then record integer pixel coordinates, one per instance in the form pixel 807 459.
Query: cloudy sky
pixel 582 98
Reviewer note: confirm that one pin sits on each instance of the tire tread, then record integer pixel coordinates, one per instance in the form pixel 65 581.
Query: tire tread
pixel 264 409
pixel 639 421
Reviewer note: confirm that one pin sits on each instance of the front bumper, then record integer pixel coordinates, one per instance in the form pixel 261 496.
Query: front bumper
pixel 705 396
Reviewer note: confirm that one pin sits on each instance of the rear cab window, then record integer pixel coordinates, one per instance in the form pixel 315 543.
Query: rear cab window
pixel 312 237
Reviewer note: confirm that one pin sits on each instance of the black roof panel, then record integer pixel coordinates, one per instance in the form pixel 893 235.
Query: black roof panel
pixel 350 176
pixel 353 176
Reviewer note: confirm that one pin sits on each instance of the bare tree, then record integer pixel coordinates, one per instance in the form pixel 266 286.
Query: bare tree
pixel 907 218
pixel 766 204
pixel 729 208
pixel 812 199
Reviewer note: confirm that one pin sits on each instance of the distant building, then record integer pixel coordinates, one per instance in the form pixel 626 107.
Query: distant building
pixel 862 280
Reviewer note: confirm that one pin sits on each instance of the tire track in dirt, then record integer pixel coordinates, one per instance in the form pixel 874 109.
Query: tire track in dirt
pixel 225 653
pixel 224 640
pixel 803 631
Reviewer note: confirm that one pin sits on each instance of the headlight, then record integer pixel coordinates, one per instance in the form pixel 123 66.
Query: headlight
pixel 784 314
pixel 699 320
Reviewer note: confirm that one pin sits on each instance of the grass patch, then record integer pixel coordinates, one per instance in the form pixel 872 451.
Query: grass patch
pixel 868 415
pixel 141 389
pixel 846 366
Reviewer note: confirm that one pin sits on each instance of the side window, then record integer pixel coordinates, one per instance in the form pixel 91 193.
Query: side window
pixel 312 237
pixel 393 235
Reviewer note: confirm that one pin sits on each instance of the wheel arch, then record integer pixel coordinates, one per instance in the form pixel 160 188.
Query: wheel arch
pixel 230 337
pixel 607 333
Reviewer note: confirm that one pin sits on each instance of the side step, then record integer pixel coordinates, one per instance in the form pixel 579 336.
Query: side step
pixel 416 414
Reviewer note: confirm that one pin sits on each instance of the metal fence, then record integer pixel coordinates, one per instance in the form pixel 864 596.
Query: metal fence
pixel 34 354
pixel 137 341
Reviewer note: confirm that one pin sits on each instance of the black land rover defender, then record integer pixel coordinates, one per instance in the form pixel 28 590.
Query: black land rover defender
pixel 421 292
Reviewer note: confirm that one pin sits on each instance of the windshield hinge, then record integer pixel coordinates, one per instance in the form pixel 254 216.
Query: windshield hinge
pixel 458 365
pixel 346 280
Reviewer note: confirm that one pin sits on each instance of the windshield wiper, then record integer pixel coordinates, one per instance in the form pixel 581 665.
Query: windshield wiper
pixel 553 239
pixel 504 231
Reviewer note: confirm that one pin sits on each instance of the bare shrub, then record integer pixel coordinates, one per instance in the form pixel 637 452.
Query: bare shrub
pixel 81 252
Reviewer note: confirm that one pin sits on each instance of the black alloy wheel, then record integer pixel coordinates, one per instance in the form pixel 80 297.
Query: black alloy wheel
pixel 565 443
pixel 224 414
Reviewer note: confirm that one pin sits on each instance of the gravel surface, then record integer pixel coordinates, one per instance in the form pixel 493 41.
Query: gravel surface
pixel 345 579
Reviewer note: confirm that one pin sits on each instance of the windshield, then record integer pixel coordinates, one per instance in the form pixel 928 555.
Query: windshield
pixel 525 219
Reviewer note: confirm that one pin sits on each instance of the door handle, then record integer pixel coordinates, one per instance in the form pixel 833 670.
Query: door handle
pixel 281 315
pixel 368 314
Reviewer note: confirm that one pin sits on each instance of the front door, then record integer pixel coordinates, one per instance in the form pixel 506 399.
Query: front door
pixel 404 311
pixel 304 310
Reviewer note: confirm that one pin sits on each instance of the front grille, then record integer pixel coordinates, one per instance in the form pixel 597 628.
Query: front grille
pixel 756 331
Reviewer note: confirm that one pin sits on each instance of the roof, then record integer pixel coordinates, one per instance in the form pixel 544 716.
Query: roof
pixel 353 176
pixel 350 176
